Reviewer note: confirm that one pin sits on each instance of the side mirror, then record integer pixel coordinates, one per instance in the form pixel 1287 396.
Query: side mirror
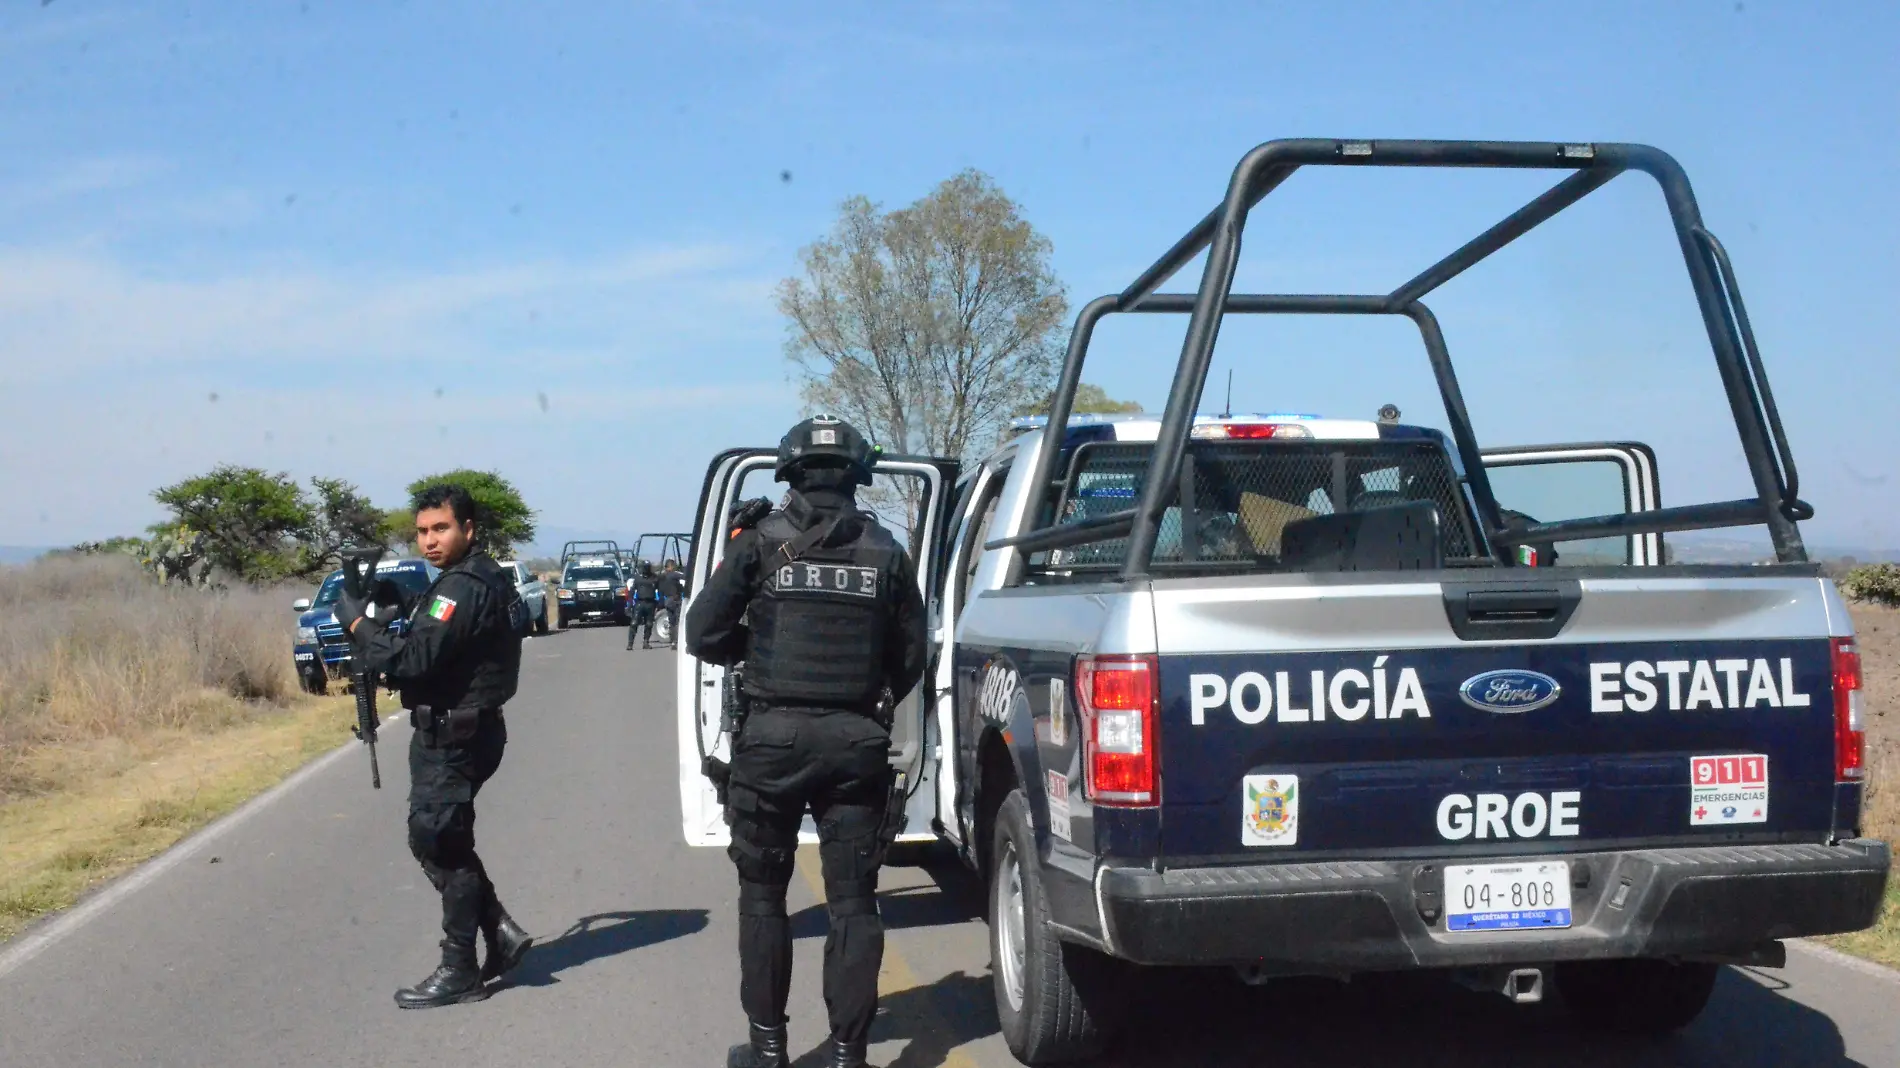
pixel 301 604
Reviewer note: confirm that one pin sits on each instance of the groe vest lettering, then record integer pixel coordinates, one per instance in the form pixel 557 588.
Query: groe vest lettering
pixel 819 623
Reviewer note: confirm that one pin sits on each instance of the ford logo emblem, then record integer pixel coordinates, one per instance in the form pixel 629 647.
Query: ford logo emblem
pixel 1509 691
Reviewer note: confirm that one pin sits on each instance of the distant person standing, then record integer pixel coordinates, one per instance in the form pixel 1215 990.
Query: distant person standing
pixel 643 596
pixel 456 664
pixel 672 588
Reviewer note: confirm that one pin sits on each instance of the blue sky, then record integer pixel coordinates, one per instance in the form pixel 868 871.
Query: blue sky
pixel 380 235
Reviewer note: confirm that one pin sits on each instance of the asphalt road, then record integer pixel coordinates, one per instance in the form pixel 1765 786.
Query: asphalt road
pixel 285 951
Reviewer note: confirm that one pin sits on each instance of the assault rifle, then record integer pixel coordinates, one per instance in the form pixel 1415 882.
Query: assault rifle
pixel 359 568
pixel 732 713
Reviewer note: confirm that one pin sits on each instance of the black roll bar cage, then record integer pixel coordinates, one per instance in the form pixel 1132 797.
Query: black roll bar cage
pixel 1261 171
pixel 673 546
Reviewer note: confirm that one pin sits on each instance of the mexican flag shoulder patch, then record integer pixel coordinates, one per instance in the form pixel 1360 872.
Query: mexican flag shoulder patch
pixel 442 608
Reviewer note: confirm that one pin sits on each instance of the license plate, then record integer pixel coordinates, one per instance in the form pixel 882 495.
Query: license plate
pixel 306 656
pixel 1507 897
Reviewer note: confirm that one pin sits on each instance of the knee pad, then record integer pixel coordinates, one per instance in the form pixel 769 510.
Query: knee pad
pixel 851 897
pixel 761 899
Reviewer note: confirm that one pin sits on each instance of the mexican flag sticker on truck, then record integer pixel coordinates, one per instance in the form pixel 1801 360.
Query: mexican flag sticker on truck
pixel 1728 789
pixel 442 608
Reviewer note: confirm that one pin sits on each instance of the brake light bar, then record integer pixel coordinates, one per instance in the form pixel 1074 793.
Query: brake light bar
pixel 1119 701
pixel 1249 431
pixel 1850 730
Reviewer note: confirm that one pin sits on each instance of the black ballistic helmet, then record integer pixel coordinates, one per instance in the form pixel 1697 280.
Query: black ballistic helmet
pixel 826 437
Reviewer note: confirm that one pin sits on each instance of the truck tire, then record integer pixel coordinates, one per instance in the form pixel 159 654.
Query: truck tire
pixel 541 621
pixel 1644 997
pixel 1055 1000
pixel 314 682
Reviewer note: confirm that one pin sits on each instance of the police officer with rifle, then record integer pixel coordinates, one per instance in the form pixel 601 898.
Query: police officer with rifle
pixel 456 665
pixel 821 603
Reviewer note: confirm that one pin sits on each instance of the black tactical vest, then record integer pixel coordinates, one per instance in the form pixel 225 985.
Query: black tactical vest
pixel 820 620
pixel 484 670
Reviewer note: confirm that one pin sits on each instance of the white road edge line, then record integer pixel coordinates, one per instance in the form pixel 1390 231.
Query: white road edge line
pixel 1846 960
pixel 56 929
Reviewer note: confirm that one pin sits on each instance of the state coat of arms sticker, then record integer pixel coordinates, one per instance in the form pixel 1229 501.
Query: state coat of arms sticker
pixel 1269 810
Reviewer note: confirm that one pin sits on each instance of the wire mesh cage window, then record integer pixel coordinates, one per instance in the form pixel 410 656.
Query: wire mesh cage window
pixel 1235 502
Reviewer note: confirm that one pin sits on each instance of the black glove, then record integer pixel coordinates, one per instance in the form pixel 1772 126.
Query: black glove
pixel 387 598
pixel 349 609
pixel 747 515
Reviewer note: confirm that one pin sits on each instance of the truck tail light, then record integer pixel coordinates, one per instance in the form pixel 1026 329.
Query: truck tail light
pixel 1248 431
pixel 1850 731
pixel 1118 697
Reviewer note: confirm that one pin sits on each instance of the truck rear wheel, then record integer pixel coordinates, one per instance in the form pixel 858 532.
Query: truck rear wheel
pixel 313 680
pixel 1649 997
pixel 1054 1000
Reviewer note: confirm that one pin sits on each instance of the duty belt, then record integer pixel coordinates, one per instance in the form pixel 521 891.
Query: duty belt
pixel 457 724
pixel 756 705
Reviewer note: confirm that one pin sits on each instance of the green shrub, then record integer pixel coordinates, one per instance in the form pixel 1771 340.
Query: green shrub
pixel 1879 583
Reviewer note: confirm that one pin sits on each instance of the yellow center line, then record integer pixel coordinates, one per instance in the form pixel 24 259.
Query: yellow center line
pixel 894 975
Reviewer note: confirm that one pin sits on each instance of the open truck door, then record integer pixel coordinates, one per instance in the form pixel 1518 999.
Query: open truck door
pixel 910 496
pixel 1553 483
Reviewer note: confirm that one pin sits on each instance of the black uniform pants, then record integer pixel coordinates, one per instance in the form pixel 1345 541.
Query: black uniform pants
pixel 642 618
pixel 444 778
pixel 835 763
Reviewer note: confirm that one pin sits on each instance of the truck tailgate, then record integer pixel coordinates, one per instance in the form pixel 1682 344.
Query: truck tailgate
pixel 1333 715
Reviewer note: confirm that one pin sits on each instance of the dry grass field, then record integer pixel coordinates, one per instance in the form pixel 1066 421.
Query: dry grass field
pixel 131 715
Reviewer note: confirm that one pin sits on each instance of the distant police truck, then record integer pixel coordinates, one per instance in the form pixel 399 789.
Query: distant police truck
pixel 1311 696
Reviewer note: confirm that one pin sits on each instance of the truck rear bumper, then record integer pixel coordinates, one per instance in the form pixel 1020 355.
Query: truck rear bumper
pixel 1388 915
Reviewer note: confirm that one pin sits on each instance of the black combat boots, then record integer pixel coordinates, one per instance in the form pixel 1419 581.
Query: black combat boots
pixel 507 944
pixel 845 1054
pixel 456 980
pixel 767 1050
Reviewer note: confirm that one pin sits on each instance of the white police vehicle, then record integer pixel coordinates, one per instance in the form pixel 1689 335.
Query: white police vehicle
pixel 593 589
pixel 1323 696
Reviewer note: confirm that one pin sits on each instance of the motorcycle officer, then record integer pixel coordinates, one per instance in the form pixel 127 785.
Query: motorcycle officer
pixel 821 603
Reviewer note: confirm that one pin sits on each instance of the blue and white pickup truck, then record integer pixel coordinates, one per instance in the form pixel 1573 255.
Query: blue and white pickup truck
pixel 1310 696
pixel 322 650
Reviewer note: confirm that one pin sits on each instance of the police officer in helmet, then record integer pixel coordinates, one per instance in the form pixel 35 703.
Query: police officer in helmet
pixel 456 664
pixel 821 604
pixel 645 597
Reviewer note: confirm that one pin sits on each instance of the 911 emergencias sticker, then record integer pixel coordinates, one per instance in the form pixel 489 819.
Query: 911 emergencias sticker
pixel 1058 791
pixel 1728 789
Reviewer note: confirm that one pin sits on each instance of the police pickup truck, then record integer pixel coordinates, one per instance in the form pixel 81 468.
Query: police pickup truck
pixel 322 650
pixel 593 589
pixel 1307 696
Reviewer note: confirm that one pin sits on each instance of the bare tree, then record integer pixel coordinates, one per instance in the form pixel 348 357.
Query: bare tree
pixel 927 326
pixel 1090 399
